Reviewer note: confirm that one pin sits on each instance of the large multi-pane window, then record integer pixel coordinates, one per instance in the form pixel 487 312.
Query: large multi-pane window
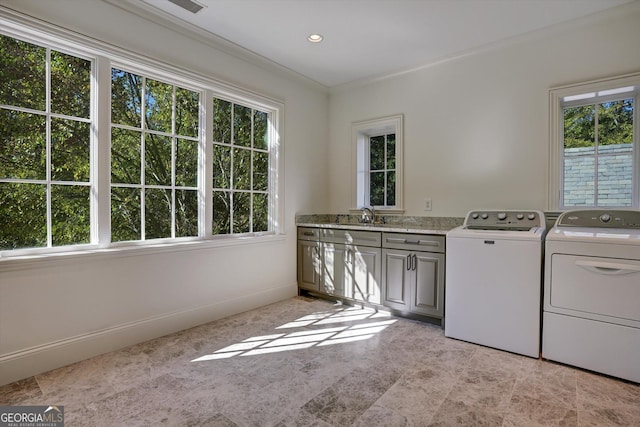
pixel 163 167
pixel 240 169
pixel 154 158
pixel 45 146
pixel 597 129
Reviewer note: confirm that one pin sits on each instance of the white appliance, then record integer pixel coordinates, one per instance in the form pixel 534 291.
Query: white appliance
pixel 494 280
pixel 592 292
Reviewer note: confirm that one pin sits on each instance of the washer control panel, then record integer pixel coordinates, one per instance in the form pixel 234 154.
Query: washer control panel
pixel 504 220
pixel 600 218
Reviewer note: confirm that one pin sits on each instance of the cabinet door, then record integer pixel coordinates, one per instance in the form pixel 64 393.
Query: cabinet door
pixel 334 278
pixel 364 270
pixel 396 278
pixel 309 265
pixel 427 296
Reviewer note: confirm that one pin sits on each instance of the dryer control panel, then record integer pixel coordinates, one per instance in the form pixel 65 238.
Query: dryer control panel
pixel 600 218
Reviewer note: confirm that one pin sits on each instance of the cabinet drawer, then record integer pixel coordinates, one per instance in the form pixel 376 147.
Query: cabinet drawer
pixel 413 242
pixel 309 233
pixel 351 237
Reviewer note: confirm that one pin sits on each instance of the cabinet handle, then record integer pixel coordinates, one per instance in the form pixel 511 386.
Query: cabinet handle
pixel 409 262
pixel 308 233
pixel 413 242
pixel 415 262
pixel 396 240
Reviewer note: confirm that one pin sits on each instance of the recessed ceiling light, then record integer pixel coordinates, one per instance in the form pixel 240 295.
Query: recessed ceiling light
pixel 315 38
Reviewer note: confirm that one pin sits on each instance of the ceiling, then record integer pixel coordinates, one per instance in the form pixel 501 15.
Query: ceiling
pixel 363 39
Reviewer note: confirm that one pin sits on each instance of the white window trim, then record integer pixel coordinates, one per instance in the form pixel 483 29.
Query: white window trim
pixel 276 164
pixel 556 133
pixel 106 56
pixel 361 131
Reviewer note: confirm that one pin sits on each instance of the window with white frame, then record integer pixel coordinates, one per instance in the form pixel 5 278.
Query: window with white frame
pixel 377 169
pixel 595 160
pixel 154 158
pixel 176 170
pixel 240 169
pixel 45 146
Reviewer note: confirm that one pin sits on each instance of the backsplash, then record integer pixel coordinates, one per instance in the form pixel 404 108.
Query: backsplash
pixel 399 221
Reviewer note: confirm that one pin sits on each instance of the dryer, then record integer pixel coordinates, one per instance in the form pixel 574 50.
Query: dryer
pixel 591 310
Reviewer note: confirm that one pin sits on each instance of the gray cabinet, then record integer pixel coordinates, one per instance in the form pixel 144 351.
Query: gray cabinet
pixel 428 295
pixel 351 271
pixel 398 270
pixel 334 278
pixel 413 273
pixel 366 273
pixel 309 265
pixel 397 275
pixel 309 259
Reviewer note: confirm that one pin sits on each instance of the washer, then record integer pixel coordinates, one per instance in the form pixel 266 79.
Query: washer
pixel 494 280
pixel 591 313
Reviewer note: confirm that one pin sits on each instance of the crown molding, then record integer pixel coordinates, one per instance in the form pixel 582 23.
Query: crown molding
pixel 622 10
pixel 175 24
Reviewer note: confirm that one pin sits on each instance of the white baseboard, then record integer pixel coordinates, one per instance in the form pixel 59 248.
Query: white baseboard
pixel 29 362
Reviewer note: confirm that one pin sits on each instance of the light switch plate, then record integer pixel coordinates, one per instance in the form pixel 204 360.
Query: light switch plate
pixel 427 204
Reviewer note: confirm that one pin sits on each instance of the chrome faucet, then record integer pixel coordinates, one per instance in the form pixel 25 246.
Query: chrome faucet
pixel 368 215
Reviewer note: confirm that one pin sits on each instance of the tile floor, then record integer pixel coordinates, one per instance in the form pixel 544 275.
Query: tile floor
pixel 305 362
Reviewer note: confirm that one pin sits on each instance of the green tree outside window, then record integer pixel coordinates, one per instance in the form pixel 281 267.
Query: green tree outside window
pixel 45 176
pixel 240 169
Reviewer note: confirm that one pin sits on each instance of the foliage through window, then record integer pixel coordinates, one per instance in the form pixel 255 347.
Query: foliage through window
pixel 377 168
pixel 45 146
pixel 382 173
pixel 240 169
pixel 598 134
pixel 598 154
pixel 165 167
pixel 154 158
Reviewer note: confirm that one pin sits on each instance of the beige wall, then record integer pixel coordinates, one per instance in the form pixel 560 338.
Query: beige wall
pixel 476 127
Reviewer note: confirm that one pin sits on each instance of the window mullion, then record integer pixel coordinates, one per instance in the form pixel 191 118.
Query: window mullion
pixel 636 152
pixel 174 153
pixel 232 151
pixel 596 150
pixel 251 157
pixel 205 165
pixel 384 167
pixel 143 135
pixel 48 146
pixel 100 153
pixel 367 174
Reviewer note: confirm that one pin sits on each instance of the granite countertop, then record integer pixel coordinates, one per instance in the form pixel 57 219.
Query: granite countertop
pixel 389 223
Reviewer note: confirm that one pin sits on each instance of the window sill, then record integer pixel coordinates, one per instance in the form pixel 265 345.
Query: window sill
pixel 21 262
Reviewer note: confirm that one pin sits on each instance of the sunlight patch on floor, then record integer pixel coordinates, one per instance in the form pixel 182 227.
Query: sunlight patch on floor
pixel 362 329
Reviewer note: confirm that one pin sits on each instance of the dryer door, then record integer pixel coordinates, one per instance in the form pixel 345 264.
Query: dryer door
pixel 606 289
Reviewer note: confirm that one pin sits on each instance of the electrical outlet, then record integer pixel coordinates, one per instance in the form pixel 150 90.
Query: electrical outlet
pixel 427 204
